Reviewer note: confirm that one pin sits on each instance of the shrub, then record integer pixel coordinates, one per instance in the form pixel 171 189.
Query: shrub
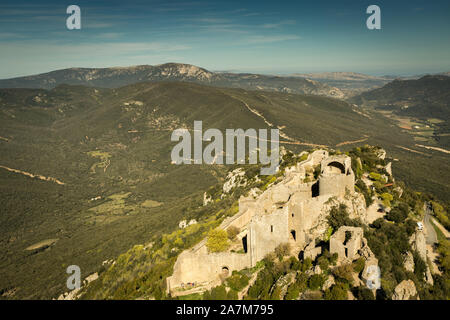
pixel 282 250
pixel 237 281
pixel 387 198
pixel 337 292
pixel 293 292
pixel 316 281
pixel 294 264
pixel 323 262
pixel 410 227
pixel 441 214
pixel 232 295
pixel 276 294
pixel 216 293
pixel 344 272
pixel 339 217
pixel 362 293
pixel 306 265
pixel 358 265
pixel 361 186
pixel 297 287
pixel 217 240
pixel 232 232
pixel 375 176
pixel 420 266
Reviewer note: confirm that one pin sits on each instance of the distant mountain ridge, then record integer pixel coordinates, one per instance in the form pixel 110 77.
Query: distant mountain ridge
pixel 121 76
pixel 420 96
pixel 352 83
pixel 424 98
pixel 354 76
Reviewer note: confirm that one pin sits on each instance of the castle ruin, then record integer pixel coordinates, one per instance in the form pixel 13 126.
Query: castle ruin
pixel 293 211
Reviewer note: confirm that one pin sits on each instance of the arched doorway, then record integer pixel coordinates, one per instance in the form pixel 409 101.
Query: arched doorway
pixel 225 271
pixel 336 168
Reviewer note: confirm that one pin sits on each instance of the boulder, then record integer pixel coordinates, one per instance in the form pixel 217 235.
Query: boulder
pixel 419 244
pixel 408 261
pixel 405 290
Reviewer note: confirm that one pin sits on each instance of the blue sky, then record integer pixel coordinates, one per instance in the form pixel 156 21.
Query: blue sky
pixel 276 37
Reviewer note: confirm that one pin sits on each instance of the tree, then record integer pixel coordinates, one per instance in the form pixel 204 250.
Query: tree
pixel 337 292
pixel 217 240
pixel 375 176
pixel 387 198
pixel 359 265
pixel 282 250
pixel 420 266
pixel 237 281
pixel 363 293
pixel 344 272
pixel 217 293
pixel 306 265
pixel 323 262
pixel 276 294
pixel 338 216
pixel 316 281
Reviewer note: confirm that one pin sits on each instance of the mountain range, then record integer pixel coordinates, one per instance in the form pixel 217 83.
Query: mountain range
pixel 117 77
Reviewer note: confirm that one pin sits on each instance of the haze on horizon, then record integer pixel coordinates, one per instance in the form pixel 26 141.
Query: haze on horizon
pixel 260 37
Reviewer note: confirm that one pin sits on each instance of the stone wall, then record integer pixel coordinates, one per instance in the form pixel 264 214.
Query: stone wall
pixel 204 269
pixel 347 249
pixel 266 232
pixel 287 212
pixel 336 176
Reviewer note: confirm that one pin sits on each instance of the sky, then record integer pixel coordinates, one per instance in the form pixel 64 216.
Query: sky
pixel 270 37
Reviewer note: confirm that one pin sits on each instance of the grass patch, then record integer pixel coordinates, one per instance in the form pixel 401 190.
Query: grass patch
pixel 439 233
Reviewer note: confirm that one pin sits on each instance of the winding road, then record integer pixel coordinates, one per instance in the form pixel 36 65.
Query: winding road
pixel 431 233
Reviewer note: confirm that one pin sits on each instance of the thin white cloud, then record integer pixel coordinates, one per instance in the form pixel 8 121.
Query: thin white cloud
pixel 97 25
pixel 270 39
pixel 209 20
pixel 278 24
pixel 31 50
pixel 109 35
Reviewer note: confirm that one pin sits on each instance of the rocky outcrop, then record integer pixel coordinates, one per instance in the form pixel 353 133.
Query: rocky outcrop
pixel 418 243
pixel 284 282
pixel 405 290
pixel 184 223
pixel 329 282
pixel 75 293
pixel 408 261
pixel 234 179
pixel 207 199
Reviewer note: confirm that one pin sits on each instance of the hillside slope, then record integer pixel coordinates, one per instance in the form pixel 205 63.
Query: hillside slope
pixel 425 98
pixel 110 149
